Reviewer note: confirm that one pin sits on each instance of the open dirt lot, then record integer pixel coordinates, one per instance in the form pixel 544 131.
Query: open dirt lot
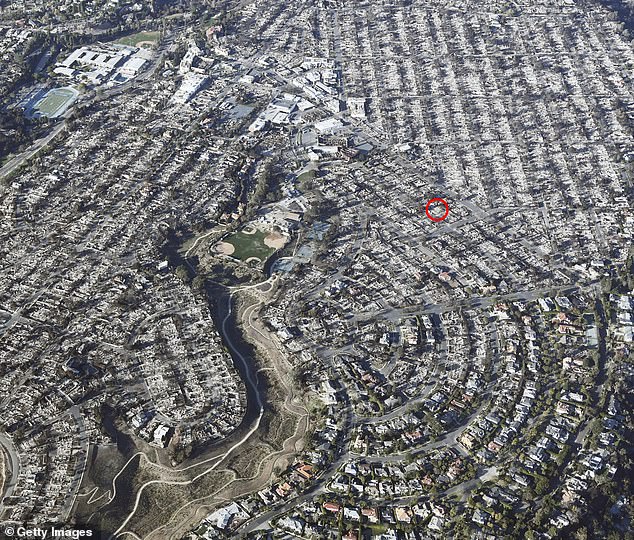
pixel 275 240
pixel 225 248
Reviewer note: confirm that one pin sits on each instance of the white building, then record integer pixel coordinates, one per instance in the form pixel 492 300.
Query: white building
pixel 191 83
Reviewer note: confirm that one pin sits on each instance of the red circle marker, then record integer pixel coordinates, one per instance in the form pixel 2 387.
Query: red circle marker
pixel 437 200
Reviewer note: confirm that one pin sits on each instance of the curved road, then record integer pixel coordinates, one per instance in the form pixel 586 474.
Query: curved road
pixel 248 372
pixel 12 468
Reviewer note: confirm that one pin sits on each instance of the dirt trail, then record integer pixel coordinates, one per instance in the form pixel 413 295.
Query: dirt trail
pixel 2 471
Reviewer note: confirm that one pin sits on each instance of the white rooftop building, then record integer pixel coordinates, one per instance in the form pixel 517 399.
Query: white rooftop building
pixel 191 83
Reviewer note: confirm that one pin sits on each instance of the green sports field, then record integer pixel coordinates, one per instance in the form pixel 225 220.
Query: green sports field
pixel 54 103
pixel 139 39
pixel 249 245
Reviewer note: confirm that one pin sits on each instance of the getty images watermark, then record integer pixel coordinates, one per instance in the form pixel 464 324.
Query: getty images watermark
pixel 19 531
